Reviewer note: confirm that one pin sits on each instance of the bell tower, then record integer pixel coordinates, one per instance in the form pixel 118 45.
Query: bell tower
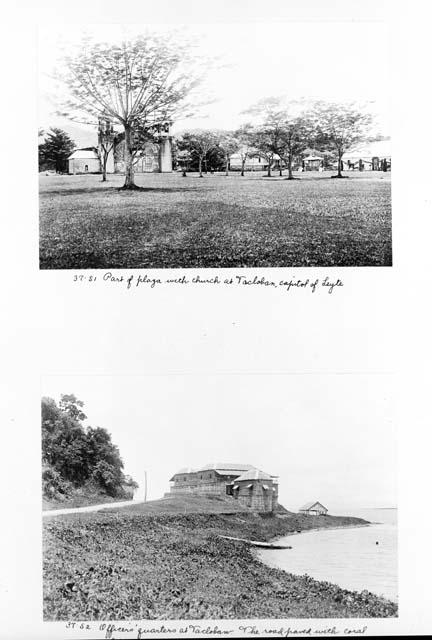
pixel 165 149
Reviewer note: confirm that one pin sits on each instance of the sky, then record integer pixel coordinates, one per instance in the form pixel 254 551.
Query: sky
pixel 346 61
pixel 328 437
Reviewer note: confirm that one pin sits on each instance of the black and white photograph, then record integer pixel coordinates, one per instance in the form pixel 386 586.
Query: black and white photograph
pixel 215 331
pixel 219 497
pixel 215 145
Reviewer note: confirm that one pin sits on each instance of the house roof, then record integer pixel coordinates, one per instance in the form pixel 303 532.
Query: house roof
pixel 84 154
pixel 184 470
pixel 243 471
pixel 254 474
pixel 229 472
pixel 252 157
pixel 309 505
pixel 225 466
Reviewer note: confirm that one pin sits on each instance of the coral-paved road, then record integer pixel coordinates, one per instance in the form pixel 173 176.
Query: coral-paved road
pixel 92 507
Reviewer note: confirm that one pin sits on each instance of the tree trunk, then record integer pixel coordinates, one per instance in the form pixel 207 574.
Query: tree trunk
pixel 339 174
pixel 200 167
pixel 104 165
pixel 280 167
pixel 243 167
pixel 226 164
pixel 128 160
pixel 290 174
pixel 269 170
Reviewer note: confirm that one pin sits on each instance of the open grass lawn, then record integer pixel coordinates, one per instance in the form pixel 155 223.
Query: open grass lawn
pixel 216 221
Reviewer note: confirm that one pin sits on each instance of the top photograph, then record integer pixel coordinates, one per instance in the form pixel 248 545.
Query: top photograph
pixel 214 145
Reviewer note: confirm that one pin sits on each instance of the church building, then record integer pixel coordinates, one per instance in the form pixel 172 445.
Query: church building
pixel 153 157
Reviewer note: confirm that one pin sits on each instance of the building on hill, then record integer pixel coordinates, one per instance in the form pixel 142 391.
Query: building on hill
pixel 313 509
pixel 256 489
pixel 249 486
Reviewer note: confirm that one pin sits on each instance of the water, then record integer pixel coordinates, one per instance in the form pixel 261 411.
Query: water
pixel 347 557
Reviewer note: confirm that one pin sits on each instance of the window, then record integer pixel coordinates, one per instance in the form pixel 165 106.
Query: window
pixel 86 168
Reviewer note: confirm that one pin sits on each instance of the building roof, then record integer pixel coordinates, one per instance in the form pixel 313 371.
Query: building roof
pixel 309 505
pixel 225 466
pixel 250 158
pixel 243 471
pixel 185 470
pixel 254 474
pixel 254 157
pixel 84 154
pixel 313 158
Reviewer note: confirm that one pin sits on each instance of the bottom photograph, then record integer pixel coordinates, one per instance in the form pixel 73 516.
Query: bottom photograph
pixel 206 497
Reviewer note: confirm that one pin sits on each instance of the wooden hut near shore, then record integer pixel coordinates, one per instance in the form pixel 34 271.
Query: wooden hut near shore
pixel 313 509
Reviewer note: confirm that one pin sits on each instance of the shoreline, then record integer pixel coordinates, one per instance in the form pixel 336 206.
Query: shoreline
pixel 345 526
pixel 117 566
pixel 256 553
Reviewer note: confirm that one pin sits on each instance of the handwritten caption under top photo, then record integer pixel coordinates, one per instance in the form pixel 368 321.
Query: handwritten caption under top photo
pixel 135 281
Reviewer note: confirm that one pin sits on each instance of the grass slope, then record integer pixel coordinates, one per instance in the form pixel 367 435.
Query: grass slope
pixel 80 498
pixel 188 504
pixel 216 221
pixel 133 564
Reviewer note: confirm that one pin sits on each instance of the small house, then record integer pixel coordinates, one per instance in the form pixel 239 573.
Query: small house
pixel 252 163
pixel 313 163
pixel 84 161
pixel 313 509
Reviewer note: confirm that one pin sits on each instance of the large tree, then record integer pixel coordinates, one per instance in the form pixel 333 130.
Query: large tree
pixel 339 127
pixel 266 137
pixel 55 150
pixel 139 84
pixel 75 454
pixel 229 144
pixel 183 159
pixel 198 142
pixel 266 140
pixel 246 150
pixel 296 132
